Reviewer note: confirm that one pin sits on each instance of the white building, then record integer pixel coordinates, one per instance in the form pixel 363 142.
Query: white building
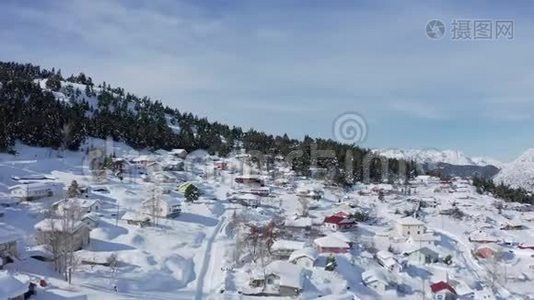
pixel 78 233
pixel 410 227
pixel 36 190
pixel 163 207
pixel 84 205
pixel 304 257
pixel 387 260
pixel 279 278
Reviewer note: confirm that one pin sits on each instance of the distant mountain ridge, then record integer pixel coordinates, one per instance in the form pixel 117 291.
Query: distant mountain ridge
pixel 432 156
pixel 519 173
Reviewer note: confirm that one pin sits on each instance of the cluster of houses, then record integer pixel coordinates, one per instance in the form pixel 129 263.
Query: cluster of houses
pixel 294 259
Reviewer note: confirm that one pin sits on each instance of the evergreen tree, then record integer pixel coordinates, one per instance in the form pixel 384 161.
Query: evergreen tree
pixel 74 190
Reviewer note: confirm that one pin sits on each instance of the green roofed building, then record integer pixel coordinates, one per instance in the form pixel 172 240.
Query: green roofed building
pixel 187 187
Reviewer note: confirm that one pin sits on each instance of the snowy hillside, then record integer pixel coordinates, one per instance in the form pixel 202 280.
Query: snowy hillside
pixel 432 156
pixel 519 173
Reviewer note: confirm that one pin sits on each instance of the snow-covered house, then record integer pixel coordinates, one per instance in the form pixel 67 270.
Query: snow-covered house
pixel 331 244
pixel 482 237
pixel 13 286
pixel 513 225
pixel 376 281
pixel 421 255
pixel 282 249
pixel 426 239
pixel 315 194
pixel 78 234
pixel 91 220
pixel 8 243
pixel 162 177
pixel 410 227
pixel 246 199
pixel 387 260
pixel 144 160
pixel 260 191
pixel 281 278
pixel 36 190
pixel 84 205
pixel 296 223
pixel 173 165
pixel 339 221
pixel 304 257
pixel 181 153
pixel 442 291
pixel 250 180
pixel 163 207
pixel 426 179
pixel 486 251
pixel 220 165
pixel 134 218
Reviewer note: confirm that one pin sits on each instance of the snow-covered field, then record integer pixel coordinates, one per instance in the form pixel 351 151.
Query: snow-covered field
pixel 193 255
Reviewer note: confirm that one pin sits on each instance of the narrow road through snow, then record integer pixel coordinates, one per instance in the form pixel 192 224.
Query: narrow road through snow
pixel 207 260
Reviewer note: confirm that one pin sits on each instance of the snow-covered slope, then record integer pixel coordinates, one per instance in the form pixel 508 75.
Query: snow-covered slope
pixel 519 173
pixel 452 157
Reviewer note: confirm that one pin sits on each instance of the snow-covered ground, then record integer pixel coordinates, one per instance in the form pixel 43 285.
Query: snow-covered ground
pixel 193 256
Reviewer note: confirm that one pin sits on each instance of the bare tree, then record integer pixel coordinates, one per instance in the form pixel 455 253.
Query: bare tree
pixel 154 201
pixel 304 206
pixel 113 263
pixel 71 219
pixel 59 238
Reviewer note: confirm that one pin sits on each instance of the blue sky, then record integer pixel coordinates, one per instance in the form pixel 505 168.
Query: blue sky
pixel 294 66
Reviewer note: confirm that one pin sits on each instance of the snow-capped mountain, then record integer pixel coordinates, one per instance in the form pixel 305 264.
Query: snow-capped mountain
pixel 433 156
pixel 519 173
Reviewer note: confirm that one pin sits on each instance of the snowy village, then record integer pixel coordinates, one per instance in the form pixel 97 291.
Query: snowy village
pixel 266 150
pixel 178 225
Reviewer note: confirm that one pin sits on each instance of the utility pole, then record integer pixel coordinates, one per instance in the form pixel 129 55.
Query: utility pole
pixel 423 288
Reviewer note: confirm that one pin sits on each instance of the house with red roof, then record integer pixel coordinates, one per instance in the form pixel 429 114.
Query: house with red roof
pixel 339 221
pixel 486 251
pixel 443 291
